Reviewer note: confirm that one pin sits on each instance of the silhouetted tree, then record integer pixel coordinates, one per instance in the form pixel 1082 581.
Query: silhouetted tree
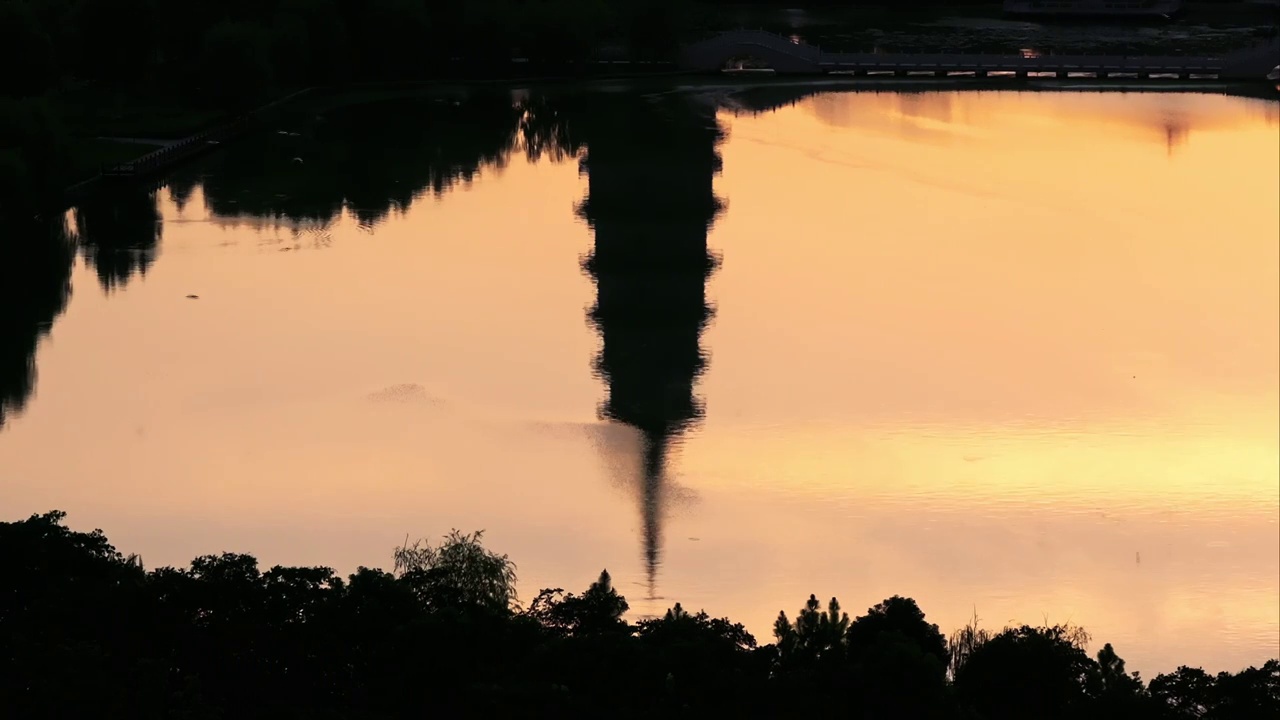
pixel 26 52
pixel 67 605
pixel 597 611
pixel 704 663
pixel 678 625
pixel 86 631
pixel 238 70
pixel 458 572
pixel 1028 672
pixel 393 37
pixel 962 644
pixel 373 161
pixel 900 617
pixel 655 26
pixel 1251 693
pixel 816 634
pixel 115 41
pixel 119 233
pixel 899 661
pixel 34 156
pixel 310 42
pixel 36 257
pixel 1193 693
pixel 1186 692
pixel 1120 694
pixel 182 184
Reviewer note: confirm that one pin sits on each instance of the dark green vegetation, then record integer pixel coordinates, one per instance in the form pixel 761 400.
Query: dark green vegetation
pixel 1201 29
pixel 87 632
pixel 35 284
pixel 226 54
pixel 80 70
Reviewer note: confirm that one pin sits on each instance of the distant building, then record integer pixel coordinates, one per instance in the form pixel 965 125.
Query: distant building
pixel 1093 8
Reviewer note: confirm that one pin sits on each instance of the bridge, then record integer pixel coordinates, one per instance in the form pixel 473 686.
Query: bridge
pixel 785 55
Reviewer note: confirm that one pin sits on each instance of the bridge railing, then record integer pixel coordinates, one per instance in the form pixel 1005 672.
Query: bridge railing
pixel 743 34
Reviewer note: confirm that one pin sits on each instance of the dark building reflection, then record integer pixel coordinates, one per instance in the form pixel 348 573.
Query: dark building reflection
pixel 1176 134
pixel 35 284
pixel 650 203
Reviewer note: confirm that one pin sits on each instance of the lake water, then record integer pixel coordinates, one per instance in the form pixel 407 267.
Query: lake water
pixel 1015 353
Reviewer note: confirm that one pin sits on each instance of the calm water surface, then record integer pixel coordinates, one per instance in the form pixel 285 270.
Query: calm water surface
pixel 1008 352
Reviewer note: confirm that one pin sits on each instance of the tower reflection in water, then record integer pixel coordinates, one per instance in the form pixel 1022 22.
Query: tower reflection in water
pixel 650 203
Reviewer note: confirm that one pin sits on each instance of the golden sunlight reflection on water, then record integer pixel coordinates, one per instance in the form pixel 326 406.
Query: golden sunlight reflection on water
pixel 1011 352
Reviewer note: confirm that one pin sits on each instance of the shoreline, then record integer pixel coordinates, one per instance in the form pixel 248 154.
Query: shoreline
pixel 174 153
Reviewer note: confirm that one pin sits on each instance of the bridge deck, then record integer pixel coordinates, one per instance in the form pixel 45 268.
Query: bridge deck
pixel 1016 64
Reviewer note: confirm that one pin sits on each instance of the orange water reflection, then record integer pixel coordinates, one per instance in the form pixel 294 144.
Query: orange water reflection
pixel 990 350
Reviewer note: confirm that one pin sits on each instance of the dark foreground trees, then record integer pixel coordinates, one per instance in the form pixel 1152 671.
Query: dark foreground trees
pixel 73 72
pixel 202 46
pixel 87 632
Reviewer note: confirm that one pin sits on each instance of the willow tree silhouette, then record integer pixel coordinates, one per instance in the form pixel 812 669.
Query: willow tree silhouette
pixel 650 203
pixel 35 284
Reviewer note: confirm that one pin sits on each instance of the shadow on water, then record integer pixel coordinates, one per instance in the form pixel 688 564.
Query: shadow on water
pixel 35 284
pixel 767 98
pixel 119 235
pixel 372 160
